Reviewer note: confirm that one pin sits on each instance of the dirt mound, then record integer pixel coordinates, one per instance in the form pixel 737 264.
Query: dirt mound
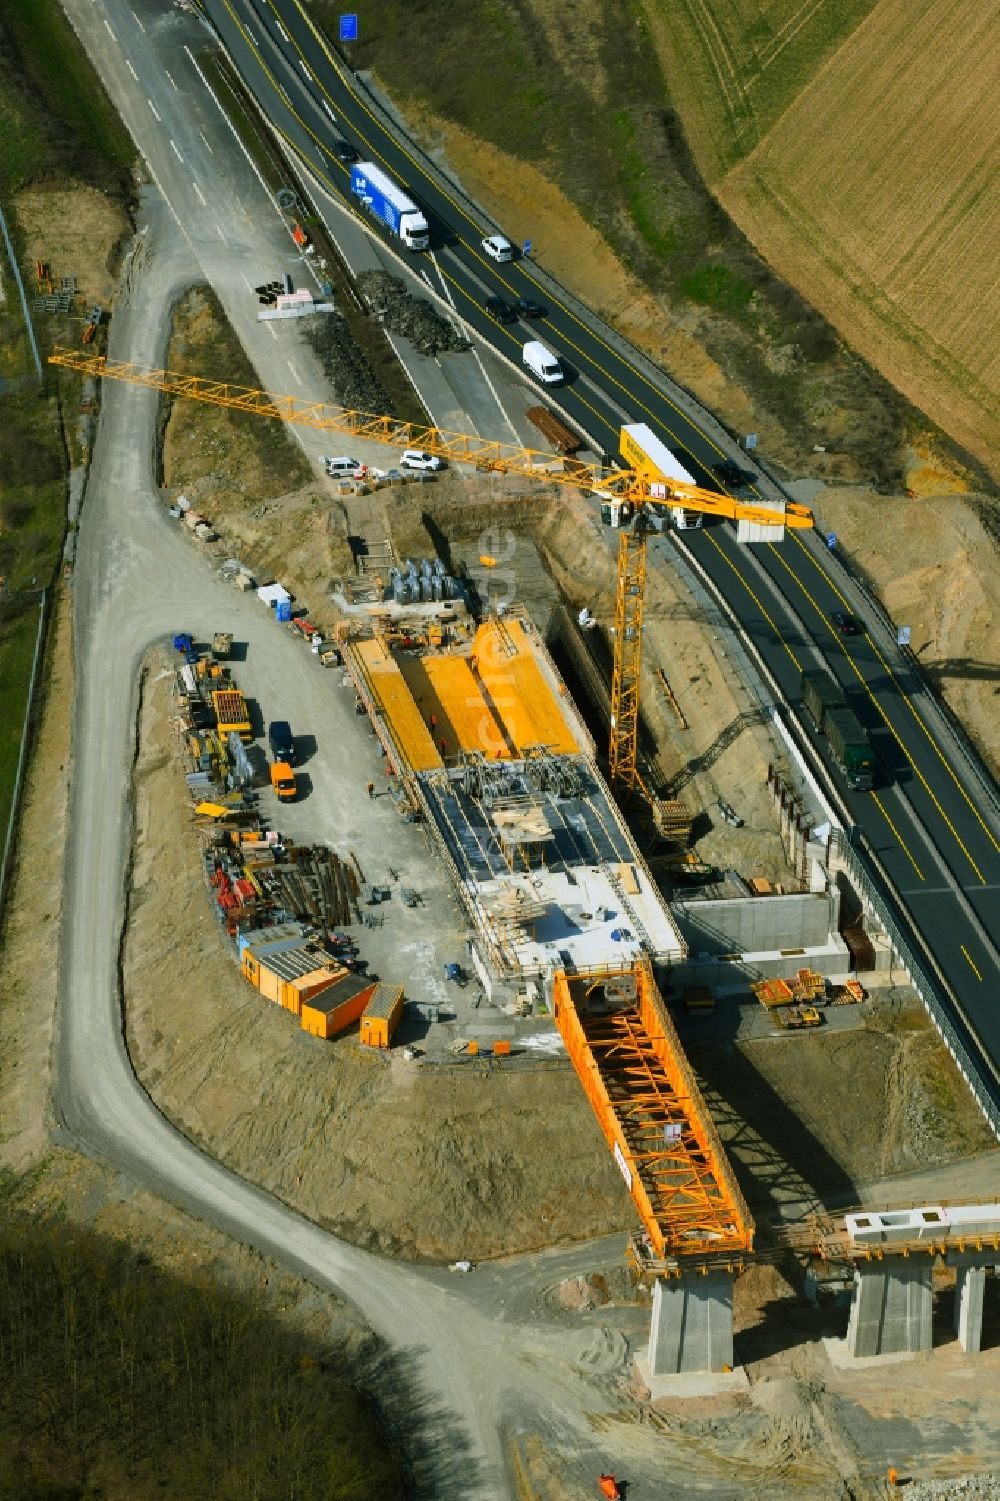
pixel 346 366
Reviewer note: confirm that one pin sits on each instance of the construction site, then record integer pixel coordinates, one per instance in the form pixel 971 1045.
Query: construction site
pixel 483 749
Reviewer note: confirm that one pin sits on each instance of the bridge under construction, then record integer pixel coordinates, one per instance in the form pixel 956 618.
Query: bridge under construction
pixel 486 746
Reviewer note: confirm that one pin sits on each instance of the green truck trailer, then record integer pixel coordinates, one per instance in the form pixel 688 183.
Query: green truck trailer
pixel 826 706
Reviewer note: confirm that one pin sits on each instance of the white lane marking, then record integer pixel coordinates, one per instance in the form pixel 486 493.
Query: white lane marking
pixel 500 406
pixel 173 85
pixel 271 330
pixel 245 282
pixel 153 108
pixel 201 196
pixel 305 69
pixel 294 371
pixel 138 23
pixel 173 147
pixel 206 140
pixel 218 229
pixel 132 70
pixel 107 24
pixel 253 39
pixel 284 33
pixel 329 111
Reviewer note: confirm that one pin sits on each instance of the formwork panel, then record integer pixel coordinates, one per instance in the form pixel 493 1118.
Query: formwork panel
pixel 449 689
pixel 392 696
pixel 524 699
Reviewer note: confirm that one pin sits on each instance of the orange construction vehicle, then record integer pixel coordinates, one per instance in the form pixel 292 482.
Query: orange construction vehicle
pixel 283 781
pixel 608 1486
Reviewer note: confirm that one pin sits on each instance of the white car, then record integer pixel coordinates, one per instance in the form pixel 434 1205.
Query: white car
pixel 498 248
pixel 340 464
pixel 416 458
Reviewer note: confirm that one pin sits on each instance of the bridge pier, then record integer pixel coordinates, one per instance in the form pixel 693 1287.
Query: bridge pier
pixel 892 1306
pixel 692 1324
pixel 970 1289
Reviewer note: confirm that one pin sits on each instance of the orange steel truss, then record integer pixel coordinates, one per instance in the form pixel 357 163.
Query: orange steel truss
pixel 641 1088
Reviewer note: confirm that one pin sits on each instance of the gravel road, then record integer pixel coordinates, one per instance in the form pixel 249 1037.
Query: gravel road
pixel 137 576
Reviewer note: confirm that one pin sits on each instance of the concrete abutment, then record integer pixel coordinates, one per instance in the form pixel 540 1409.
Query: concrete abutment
pixel 691 1329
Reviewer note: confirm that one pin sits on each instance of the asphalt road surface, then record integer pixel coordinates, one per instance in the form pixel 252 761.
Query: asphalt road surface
pixel 933 816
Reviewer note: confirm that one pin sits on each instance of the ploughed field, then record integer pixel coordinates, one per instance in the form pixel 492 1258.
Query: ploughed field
pixel 875 194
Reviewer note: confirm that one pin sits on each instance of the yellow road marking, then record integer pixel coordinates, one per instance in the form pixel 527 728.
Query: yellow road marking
pixel 898 836
pixel 732 566
pixel 972 963
pixel 890 726
pixel 473 250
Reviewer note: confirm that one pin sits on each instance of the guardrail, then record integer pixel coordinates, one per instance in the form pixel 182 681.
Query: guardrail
pixel 7 864
pixel 15 268
pixel 863 865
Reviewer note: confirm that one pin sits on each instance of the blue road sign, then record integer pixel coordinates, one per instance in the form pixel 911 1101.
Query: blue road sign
pixel 349 28
pixel 527 247
pixel 750 442
pixel 831 540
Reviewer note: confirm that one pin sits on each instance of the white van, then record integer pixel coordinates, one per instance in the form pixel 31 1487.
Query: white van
pixel 341 464
pixel 542 362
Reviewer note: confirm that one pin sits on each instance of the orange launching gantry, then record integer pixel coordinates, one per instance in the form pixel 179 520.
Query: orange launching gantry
pixel 643 1092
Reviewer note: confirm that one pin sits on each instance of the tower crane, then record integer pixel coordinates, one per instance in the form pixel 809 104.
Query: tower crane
pixel 633 488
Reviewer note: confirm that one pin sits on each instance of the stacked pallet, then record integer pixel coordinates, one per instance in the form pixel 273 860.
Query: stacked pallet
pixel 808 985
pixel 772 993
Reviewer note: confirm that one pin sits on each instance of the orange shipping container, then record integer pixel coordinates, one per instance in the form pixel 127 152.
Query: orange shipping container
pixel 382 1016
pixel 327 1014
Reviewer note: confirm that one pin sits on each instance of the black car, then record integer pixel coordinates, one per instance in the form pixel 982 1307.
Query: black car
pixel 845 624
pixel 282 741
pixel 525 308
pixel 345 152
pixel 732 475
pixel 499 311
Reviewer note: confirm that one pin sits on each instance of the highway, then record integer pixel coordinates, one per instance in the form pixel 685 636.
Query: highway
pixel 932 817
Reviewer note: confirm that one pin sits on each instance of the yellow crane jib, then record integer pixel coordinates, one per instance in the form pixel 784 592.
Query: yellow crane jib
pixel 653 474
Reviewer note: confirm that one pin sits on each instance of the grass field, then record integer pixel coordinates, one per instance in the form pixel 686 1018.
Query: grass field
pixel 734 66
pixel 55 122
pixel 877 193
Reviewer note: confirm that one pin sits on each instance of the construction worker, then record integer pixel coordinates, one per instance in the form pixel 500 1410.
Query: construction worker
pixel 434 721
pixel 371 789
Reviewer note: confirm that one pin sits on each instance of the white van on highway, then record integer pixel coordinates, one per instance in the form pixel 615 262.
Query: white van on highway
pixel 542 362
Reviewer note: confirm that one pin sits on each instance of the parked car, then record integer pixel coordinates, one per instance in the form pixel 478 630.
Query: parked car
pixel 845 624
pixel 416 458
pixel 281 741
pixel 499 311
pixel 340 464
pixel 498 247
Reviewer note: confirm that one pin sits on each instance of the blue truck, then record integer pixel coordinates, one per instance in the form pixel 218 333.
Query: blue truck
pixel 376 191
